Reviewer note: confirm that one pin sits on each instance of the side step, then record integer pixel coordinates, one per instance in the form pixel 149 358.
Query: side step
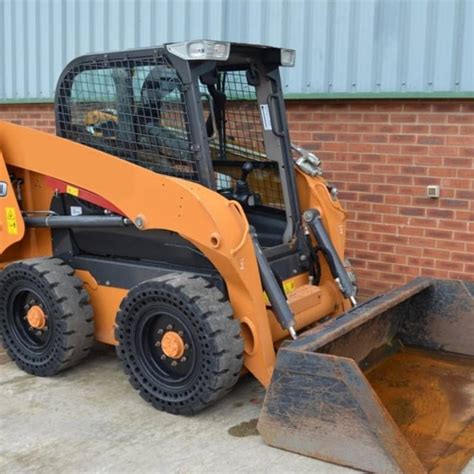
pixel 371 389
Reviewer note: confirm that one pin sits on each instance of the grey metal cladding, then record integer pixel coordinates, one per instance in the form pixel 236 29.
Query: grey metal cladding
pixel 344 47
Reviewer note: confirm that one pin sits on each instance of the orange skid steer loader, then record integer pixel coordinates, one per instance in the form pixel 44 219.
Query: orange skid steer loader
pixel 174 219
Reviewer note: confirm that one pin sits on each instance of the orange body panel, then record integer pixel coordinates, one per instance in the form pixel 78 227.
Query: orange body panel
pixel 216 226
pixel 313 193
pixel 106 301
pixel 12 227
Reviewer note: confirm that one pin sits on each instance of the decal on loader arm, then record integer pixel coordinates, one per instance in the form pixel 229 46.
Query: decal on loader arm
pixel 12 227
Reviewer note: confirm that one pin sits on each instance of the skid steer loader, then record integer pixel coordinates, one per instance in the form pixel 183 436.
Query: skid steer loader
pixel 174 219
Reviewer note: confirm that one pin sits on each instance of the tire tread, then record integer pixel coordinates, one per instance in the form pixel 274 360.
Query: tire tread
pixel 74 314
pixel 220 326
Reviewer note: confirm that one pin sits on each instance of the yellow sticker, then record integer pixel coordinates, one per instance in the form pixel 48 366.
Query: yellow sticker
pixel 288 285
pixel 265 299
pixel 12 226
pixel 72 190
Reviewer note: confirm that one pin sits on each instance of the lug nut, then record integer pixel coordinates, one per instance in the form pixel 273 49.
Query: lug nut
pixel 157 344
pixel 169 327
pixel 174 363
pixel 180 333
pixel 163 357
pixel 186 347
pixel 160 331
pixel 183 359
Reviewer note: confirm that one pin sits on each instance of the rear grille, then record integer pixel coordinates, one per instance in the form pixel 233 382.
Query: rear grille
pixel 133 109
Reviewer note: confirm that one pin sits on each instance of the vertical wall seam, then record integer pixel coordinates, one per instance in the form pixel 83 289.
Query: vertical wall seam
pixel 37 48
pixel 329 63
pixel 377 49
pixel 402 57
pixel 26 64
pixel 459 25
pixel 3 85
pixel 353 47
pixel 430 45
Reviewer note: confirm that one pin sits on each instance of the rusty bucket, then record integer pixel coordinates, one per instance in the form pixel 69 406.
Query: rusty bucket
pixel 386 387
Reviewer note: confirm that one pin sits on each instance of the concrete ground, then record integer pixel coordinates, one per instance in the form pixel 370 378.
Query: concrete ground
pixel 89 419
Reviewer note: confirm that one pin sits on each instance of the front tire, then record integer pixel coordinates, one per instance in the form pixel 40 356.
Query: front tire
pixel 46 321
pixel 178 343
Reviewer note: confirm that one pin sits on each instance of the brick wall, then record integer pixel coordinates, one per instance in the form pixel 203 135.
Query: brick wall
pixel 382 154
pixel 39 116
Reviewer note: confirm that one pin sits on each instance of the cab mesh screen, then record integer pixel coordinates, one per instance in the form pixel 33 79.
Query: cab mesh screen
pixel 240 139
pixel 133 109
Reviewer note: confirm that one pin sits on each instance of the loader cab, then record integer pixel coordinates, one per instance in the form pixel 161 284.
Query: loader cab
pixel 206 111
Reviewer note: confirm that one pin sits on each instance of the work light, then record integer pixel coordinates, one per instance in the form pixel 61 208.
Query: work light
pixel 200 50
pixel 287 57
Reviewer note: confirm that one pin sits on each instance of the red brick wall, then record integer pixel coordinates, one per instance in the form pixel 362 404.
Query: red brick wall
pixel 382 154
pixel 39 116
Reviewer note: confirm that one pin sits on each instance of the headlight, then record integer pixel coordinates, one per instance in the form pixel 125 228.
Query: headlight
pixel 200 50
pixel 287 57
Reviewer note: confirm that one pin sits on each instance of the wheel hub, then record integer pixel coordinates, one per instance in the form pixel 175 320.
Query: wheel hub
pixel 172 345
pixel 36 317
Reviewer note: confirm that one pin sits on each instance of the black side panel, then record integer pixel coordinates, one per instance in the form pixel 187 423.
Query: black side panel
pixel 159 246
pixel 131 243
pixel 121 273
pixel 269 224
pixel 122 257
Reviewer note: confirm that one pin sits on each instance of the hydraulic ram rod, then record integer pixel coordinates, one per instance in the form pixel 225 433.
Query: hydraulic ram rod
pixel 312 217
pixel 64 222
pixel 277 298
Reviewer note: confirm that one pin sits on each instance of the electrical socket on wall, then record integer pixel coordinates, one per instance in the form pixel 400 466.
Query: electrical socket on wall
pixel 432 191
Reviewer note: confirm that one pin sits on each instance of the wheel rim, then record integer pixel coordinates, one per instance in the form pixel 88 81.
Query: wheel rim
pixel 22 301
pixel 172 370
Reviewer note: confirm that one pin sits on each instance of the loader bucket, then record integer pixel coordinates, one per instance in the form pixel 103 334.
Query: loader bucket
pixel 386 387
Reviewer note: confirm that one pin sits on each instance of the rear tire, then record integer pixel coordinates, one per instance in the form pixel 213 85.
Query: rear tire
pixel 211 356
pixel 48 285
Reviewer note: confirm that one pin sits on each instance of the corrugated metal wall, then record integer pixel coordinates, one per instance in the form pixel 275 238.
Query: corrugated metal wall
pixel 348 47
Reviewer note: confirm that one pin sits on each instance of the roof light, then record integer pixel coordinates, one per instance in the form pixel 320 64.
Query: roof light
pixel 287 57
pixel 200 50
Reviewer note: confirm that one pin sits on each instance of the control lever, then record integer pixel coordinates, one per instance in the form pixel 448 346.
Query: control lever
pixel 242 191
pixel 242 186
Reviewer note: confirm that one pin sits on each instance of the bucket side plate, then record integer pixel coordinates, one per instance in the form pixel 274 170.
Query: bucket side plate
pixel 322 406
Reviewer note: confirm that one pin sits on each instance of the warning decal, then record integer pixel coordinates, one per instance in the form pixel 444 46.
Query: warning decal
pixel 12 226
pixel 73 191
pixel 266 119
pixel 289 286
